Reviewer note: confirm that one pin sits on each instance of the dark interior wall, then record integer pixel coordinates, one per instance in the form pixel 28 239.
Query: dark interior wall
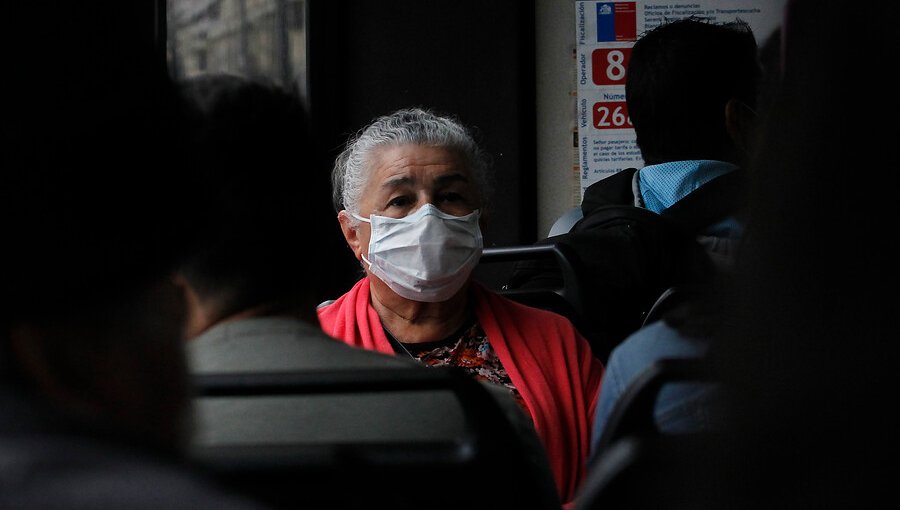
pixel 470 58
pixel 80 41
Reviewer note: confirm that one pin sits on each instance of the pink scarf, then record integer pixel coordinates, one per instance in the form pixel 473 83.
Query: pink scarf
pixel 548 361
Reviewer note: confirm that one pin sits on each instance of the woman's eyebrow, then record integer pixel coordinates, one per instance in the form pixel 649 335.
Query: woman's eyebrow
pixel 443 180
pixel 396 182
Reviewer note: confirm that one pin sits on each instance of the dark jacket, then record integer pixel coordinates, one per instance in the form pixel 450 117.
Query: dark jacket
pixel 631 255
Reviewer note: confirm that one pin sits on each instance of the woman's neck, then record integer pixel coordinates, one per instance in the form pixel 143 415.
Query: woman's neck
pixel 415 321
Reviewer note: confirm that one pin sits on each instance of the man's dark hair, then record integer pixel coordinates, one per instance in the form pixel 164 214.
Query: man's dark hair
pixel 680 77
pixel 266 237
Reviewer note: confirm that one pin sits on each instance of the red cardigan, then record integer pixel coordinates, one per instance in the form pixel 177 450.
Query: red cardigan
pixel 548 361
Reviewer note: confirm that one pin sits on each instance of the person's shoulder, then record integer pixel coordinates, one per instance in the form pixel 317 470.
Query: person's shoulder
pixel 77 472
pixel 279 344
pixel 652 342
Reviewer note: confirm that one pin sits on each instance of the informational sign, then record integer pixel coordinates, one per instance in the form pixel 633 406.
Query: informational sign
pixel 605 33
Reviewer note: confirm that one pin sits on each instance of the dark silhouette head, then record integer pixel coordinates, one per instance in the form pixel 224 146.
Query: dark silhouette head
pixel 269 239
pixel 684 79
pixel 93 189
pixel 809 348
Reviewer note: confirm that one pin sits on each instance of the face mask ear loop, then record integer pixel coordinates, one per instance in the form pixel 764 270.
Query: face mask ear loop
pixel 367 220
pixel 360 218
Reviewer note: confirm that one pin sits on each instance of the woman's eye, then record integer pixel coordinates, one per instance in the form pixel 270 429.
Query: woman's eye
pixel 399 202
pixel 450 197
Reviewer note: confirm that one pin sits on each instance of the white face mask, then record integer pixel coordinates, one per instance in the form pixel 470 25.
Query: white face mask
pixel 426 256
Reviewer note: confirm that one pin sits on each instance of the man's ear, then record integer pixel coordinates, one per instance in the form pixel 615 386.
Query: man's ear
pixel 740 121
pixel 29 347
pixel 199 313
pixel 351 233
pixel 123 364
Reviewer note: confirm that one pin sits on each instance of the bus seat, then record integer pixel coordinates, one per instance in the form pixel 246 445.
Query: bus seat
pixel 561 296
pixel 635 466
pixel 488 465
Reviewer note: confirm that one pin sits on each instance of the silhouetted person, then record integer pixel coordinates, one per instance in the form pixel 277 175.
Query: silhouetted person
pixel 685 326
pixel 809 347
pixel 805 345
pixel 674 221
pixel 95 395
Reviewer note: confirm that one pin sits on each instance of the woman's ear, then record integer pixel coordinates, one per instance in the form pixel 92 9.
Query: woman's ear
pixel 351 233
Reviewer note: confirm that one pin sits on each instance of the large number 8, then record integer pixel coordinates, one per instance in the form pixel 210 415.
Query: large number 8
pixel 615 71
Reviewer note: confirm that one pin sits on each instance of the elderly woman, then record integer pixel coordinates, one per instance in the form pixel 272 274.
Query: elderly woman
pixel 410 190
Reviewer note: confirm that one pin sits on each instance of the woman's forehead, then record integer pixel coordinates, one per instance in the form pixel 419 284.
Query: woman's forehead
pixel 412 164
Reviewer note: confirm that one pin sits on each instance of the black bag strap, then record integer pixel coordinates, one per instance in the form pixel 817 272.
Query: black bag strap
pixel 605 204
pixel 613 190
pixel 613 215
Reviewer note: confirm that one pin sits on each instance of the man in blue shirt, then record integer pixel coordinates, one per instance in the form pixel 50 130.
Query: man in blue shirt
pixel 692 89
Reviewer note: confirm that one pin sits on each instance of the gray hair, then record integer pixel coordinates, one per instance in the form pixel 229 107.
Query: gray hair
pixel 408 126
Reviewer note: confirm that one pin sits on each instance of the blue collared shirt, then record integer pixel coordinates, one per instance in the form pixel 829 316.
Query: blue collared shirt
pixel 666 183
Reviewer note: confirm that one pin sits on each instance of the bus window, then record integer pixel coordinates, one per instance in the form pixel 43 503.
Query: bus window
pixel 253 38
